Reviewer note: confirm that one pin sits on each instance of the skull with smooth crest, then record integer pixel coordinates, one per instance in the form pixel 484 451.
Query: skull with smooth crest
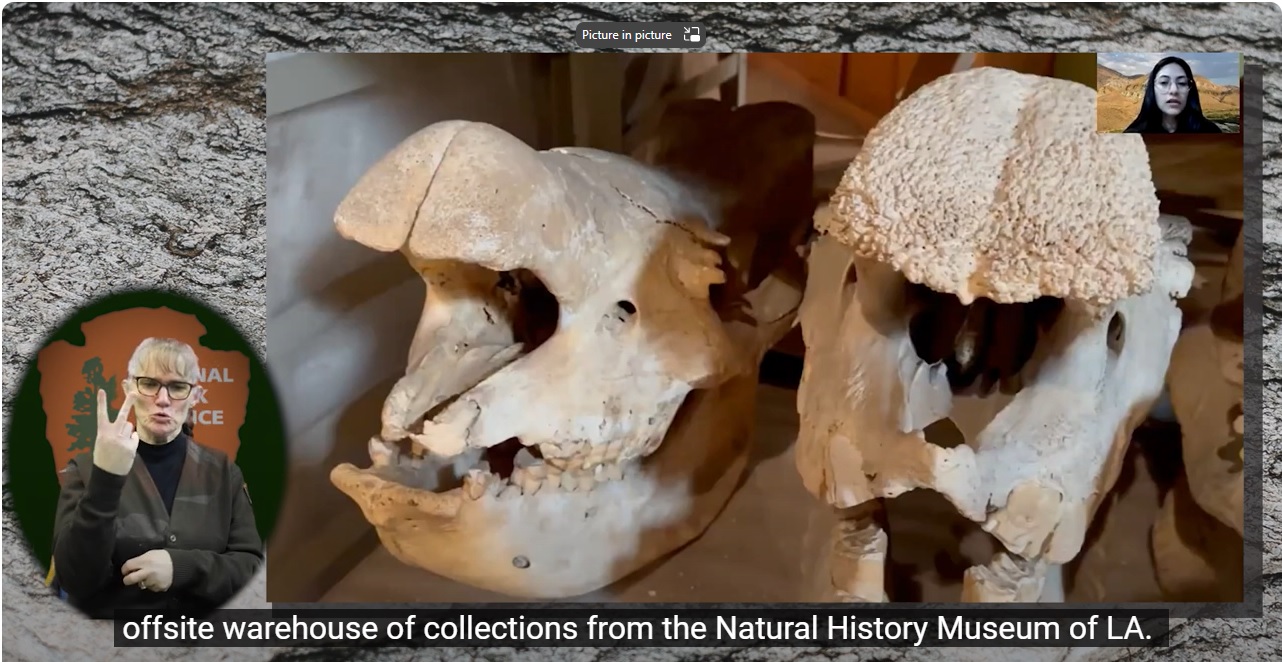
pixel 1006 270
pixel 574 406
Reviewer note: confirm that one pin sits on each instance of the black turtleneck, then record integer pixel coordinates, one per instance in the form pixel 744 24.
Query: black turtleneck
pixel 165 464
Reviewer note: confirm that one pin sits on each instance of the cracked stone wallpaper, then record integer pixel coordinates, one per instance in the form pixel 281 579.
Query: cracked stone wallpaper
pixel 135 156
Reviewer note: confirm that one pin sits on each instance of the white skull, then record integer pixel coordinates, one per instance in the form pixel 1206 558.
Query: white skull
pixel 1052 232
pixel 573 406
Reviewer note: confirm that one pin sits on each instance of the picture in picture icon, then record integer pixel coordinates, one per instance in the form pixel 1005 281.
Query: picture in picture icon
pixel 692 34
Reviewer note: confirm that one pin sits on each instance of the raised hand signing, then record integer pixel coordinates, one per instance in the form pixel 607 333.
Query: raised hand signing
pixel 117 442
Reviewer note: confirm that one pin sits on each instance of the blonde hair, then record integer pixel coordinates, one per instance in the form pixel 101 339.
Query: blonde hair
pixel 165 355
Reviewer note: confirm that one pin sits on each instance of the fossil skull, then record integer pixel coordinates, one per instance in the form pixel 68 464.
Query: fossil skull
pixel 572 406
pixel 1006 270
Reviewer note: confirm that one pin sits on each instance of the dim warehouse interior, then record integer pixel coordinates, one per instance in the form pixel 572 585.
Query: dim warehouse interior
pixel 342 317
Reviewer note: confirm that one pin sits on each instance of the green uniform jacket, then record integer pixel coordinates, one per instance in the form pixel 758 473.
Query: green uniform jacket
pixel 104 520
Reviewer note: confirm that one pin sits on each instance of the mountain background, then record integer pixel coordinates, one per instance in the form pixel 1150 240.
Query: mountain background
pixel 1119 97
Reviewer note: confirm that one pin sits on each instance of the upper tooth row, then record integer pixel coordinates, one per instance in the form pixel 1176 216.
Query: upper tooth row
pixel 529 480
pixel 567 456
pixel 574 455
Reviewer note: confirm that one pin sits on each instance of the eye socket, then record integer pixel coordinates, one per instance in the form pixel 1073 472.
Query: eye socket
pixel 627 307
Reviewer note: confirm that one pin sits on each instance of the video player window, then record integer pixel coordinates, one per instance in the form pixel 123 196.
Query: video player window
pixel 905 327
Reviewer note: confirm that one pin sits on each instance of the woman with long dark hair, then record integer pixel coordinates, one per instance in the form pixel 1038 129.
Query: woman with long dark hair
pixel 1171 103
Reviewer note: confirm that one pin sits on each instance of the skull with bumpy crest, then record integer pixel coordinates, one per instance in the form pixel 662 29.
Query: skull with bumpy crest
pixel 1004 268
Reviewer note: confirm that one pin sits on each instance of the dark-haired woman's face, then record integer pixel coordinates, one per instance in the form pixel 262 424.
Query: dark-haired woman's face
pixel 1171 87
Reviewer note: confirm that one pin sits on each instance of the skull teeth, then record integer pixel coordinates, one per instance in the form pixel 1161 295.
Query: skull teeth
pixel 384 454
pixel 578 455
pixel 474 484
pixel 530 480
pixel 509 492
pixel 576 466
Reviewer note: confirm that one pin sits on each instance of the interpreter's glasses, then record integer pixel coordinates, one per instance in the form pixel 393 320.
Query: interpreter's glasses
pixel 150 387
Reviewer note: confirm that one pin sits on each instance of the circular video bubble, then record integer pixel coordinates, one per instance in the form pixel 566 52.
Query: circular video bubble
pixel 171 505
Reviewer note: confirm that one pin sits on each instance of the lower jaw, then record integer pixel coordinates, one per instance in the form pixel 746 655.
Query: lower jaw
pixel 555 542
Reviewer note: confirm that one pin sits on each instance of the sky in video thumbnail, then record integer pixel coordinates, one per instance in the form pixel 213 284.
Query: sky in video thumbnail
pixel 1219 68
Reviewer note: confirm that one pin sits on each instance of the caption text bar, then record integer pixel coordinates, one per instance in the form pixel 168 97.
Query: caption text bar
pixel 647 627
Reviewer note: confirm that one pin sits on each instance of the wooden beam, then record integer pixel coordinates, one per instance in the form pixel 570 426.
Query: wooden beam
pixel 926 68
pixel 810 95
pixel 730 87
pixel 659 72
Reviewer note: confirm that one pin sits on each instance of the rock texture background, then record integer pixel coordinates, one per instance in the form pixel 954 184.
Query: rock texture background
pixel 134 155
